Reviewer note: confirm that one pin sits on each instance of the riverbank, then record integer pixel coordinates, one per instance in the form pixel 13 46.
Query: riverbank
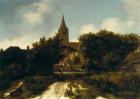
pixel 120 85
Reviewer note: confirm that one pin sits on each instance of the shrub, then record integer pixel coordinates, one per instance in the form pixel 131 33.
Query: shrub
pixel 16 71
pixel 5 81
pixel 106 50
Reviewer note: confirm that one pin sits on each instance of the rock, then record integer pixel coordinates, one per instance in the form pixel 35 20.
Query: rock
pixel 132 62
pixel 16 93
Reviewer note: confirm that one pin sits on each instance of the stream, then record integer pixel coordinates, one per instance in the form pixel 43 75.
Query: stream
pixel 66 90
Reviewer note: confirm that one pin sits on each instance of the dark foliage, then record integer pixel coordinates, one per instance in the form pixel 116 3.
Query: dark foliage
pixel 122 87
pixel 105 50
pixel 12 55
pixel 5 81
pixel 16 71
pixel 46 53
pixel 16 63
pixel 131 84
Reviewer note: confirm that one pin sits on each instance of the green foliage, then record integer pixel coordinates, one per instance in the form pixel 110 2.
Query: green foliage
pixel 13 66
pixel 16 63
pixel 105 50
pixel 131 84
pixel 5 81
pixel 12 55
pixel 106 86
pixel 16 71
pixel 117 83
pixel 46 53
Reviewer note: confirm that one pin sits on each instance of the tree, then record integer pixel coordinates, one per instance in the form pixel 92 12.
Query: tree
pixel 13 66
pixel 46 53
pixel 105 50
pixel 12 55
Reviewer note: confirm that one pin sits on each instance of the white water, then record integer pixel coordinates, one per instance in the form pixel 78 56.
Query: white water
pixel 8 93
pixel 59 89
pixel 56 91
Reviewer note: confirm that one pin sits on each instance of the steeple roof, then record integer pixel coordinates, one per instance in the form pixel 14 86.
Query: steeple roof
pixel 63 24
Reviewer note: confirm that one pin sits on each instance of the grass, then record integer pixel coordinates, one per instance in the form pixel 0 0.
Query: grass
pixel 119 84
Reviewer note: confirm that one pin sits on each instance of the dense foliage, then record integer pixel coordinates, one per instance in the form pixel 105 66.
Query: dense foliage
pixel 105 50
pixel 16 63
pixel 12 55
pixel 46 53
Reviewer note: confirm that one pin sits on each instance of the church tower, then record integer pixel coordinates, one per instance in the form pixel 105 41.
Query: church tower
pixel 63 32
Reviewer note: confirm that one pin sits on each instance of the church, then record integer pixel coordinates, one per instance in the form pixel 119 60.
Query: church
pixel 72 60
pixel 63 33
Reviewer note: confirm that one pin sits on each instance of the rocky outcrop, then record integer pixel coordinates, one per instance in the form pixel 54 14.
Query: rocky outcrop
pixel 132 62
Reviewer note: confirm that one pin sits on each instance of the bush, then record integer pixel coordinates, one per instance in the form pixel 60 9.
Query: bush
pixel 16 71
pixel 46 53
pixel 5 81
pixel 131 83
pixel 105 86
pixel 105 50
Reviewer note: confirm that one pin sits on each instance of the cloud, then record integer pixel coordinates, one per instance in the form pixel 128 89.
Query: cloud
pixel 22 41
pixel 132 8
pixel 27 39
pixel 33 18
pixel 35 15
pixel 88 28
pixel 114 24
pixel 117 25
pixel 128 25
pixel 24 21
pixel 132 21
pixel 22 18
pixel 41 7
pixel 11 24
pixel 111 24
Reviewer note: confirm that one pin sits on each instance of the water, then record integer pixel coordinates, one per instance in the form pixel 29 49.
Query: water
pixel 66 90
pixel 56 91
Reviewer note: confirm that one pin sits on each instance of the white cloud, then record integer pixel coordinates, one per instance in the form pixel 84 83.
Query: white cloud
pixel 35 15
pixel 33 18
pixel 22 41
pixel 88 28
pixel 27 39
pixel 132 21
pixel 116 24
pixel 112 24
pixel 35 22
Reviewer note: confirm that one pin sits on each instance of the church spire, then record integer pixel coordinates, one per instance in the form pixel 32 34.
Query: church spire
pixel 63 23
pixel 63 32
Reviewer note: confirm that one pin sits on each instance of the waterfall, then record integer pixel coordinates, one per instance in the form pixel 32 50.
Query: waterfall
pixel 58 90
pixel 55 91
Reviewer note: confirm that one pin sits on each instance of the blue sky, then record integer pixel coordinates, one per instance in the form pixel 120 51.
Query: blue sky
pixel 23 22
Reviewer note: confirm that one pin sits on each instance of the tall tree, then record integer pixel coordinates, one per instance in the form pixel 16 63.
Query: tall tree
pixel 105 50
pixel 46 53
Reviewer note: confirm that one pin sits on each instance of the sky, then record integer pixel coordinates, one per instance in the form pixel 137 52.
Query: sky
pixel 23 22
